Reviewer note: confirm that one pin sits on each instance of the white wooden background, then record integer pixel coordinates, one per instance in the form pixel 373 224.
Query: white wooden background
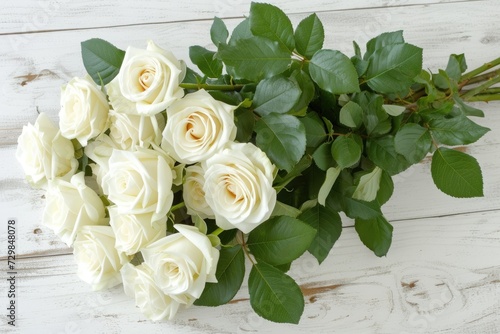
pixel 442 274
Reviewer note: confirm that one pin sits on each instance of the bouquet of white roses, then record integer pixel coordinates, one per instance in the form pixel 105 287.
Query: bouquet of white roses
pixel 165 180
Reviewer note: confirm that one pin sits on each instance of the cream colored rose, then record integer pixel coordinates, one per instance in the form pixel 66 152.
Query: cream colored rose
pixel 44 153
pixel 197 127
pixel 239 186
pixel 129 131
pixel 139 182
pixel 148 81
pixel 98 261
pixel 70 206
pixel 99 150
pixel 183 263
pixel 193 193
pixel 139 284
pixel 134 232
pixel 84 110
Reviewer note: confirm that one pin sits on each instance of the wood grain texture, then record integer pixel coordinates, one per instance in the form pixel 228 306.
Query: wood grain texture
pixel 441 275
pixel 41 15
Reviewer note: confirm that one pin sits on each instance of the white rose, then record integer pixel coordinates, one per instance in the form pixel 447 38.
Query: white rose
pixel 138 283
pixel 183 263
pixel 99 262
pixel 139 182
pixel 129 131
pixel 148 81
pixel 134 232
pixel 239 186
pixel 44 153
pixel 70 206
pixel 193 193
pixel 84 110
pixel 99 150
pixel 198 126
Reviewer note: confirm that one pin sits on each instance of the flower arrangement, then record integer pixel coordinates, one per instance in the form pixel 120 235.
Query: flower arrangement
pixel 166 180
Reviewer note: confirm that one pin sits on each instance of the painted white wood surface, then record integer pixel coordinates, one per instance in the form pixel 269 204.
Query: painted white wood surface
pixel 442 273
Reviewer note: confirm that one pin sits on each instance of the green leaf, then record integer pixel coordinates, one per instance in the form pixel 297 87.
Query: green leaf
pixel 315 129
pixel 456 174
pixel 192 77
pixel 206 61
pixel 280 240
pixel 270 22
pixel 242 31
pixel 393 109
pixel 229 274
pixel 282 209
pixel 281 181
pixel 274 295
pixel 383 153
pixel 351 115
pixel 218 32
pixel 376 234
pixel 334 72
pixel 413 142
pixel 386 188
pixel 387 38
pixel 277 94
pixel 328 225
pixel 307 88
pixel 331 176
pixel 375 119
pixel 282 138
pixel 322 156
pixel 458 130
pixel 244 120
pixel 357 209
pixel 255 58
pixel 369 185
pixel 393 67
pixel 456 66
pixel 346 151
pixel 309 36
pixel 102 60
pixel 466 109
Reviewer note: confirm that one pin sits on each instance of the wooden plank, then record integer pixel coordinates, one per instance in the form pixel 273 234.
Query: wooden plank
pixel 415 196
pixel 36 15
pixel 441 275
pixel 30 77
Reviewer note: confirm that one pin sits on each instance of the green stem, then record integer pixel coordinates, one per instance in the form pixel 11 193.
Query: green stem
pixel 177 206
pixel 217 231
pixel 481 88
pixel 483 98
pixel 480 69
pixel 481 78
pixel 211 87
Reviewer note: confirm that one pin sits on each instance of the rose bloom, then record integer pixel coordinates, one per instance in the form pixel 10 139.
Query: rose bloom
pixel 134 232
pixel 239 186
pixel 139 182
pixel 98 261
pixel 44 153
pixel 198 126
pixel 183 263
pixel 139 284
pixel 84 110
pixel 99 151
pixel 70 206
pixel 193 193
pixel 148 81
pixel 129 131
